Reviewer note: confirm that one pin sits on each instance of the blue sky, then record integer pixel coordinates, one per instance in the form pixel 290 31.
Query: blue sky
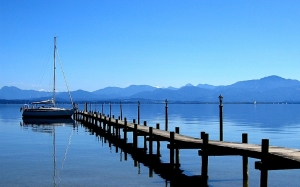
pixel 161 43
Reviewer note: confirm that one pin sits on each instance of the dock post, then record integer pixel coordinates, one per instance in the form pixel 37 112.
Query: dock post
pixel 125 130
pixel 109 109
pixel 172 141
pixel 245 160
pixel 204 173
pixel 105 124
pixel 85 107
pixel 264 160
pixel 221 117
pixel 202 134
pixel 177 156
pixel 158 142
pixel 109 126
pixel 166 117
pixel 117 128
pixel 145 137
pixel 113 126
pixel 99 119
pixel 135 137
pixel 121 111
pixel 139 106
pixel 150 140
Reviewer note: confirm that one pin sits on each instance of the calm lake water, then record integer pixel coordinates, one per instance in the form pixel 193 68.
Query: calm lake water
pixel 67 154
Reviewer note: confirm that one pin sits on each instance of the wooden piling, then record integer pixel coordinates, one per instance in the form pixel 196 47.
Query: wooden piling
pixel 125 130
pixel 150 141
pixel 145 137
pixel 85 107
pixel 158 142
pixel 202 134
pixel 204 155
pixel 245 159
pixel 177 156
pixel 139 112
pixel 221 117
pixel 172 138
pixel 166 116
pixel 121 110
pixel 109 125
pixel 264 160
pixel 135 137
pixel 109 109
pixel 117 128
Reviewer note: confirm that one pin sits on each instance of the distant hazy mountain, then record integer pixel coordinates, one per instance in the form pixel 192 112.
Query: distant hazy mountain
pixel 206 86
pixel 78 95
pixel 115 92
pixel 267 89
pixel 11 92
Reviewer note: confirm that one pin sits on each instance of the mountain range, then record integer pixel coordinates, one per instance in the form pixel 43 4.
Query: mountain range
pixel 268 89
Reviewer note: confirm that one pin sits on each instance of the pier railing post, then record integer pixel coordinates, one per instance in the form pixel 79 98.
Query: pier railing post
pixel 85 107
pixel 117 128
pixel 139 105
pixel 204 173
pixel 135 137
pixel 172 141
pixel 121 111
pixel 150 140
pixel 166 116
pixel 177 156
pixel 221 117
pixel 245 160
pixel 145 137
pixel 202 134
pixel 125 130
pixel 109 126
pixel 109 109
pixel 158 142
pixel 264 160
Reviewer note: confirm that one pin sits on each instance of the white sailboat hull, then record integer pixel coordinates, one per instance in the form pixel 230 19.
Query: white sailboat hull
pixel 48 112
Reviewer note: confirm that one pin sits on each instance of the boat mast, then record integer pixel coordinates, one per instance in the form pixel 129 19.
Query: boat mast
pixel 54 71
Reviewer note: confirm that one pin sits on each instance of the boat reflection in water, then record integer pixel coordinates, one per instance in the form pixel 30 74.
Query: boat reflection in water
pixel 48 121
pixel 47 125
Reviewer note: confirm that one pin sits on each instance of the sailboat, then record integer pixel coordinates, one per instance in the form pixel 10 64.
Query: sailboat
pixel 44 109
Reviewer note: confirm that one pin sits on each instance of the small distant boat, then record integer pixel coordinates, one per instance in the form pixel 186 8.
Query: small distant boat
pixel 254 102
pixel 44 109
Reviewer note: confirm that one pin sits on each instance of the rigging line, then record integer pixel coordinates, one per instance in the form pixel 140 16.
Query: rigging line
pixel 60 63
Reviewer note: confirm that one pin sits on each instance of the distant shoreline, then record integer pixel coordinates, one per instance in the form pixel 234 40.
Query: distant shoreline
pixel 146 102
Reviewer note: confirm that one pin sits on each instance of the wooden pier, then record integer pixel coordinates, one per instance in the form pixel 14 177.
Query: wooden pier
pixel 271 157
